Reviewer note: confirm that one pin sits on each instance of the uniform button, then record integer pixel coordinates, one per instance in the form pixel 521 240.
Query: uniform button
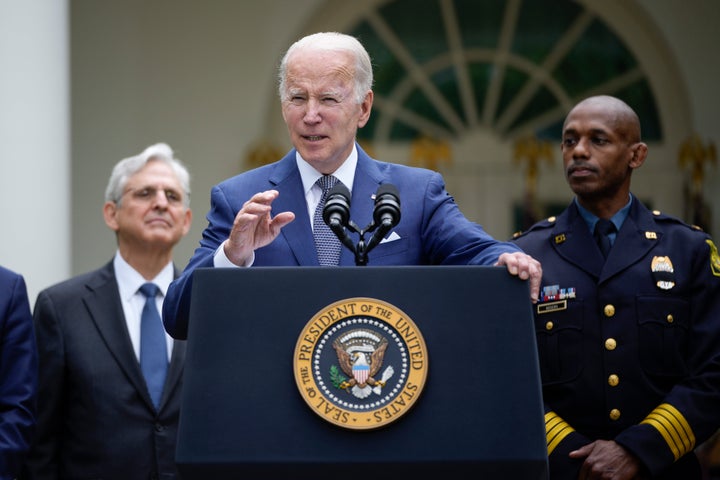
pixel 614 414
pixel 613 380
pixel 159 427
pixel 610 344
pixel 549 326
pixel 609 310
pixel 670 318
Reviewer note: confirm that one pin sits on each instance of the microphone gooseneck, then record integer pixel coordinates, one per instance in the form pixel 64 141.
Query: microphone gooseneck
pixel 386 215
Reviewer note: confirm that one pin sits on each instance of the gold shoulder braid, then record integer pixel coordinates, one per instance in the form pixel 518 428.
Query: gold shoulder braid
pixel 714 258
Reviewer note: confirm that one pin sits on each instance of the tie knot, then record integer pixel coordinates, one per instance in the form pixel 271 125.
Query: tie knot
pixel 604 227
pixel 150 290
pixel 326 182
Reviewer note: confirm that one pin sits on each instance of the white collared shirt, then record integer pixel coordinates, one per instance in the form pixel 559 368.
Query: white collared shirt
pixel 308 174
pixel 346 174
pixel 129 281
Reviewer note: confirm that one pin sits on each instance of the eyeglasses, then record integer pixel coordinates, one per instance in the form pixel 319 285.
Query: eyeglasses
pixel 148 194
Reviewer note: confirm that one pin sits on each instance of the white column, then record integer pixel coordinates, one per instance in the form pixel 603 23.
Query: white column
pixel 35 220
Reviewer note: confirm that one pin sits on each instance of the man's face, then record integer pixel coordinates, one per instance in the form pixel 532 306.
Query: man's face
pixel 597 156
pixel 320 107
pixel 152 212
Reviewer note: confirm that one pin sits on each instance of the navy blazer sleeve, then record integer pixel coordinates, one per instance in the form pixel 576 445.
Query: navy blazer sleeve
pixel 18 373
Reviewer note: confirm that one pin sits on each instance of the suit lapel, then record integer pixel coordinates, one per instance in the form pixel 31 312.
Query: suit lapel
pixel 367 179
pixel 298 233
pixel 636 238
pixel 177 364
pixel 573 241
pixel 105 308
pixel 175 370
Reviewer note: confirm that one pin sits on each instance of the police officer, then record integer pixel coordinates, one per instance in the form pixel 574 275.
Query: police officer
pixel 628 339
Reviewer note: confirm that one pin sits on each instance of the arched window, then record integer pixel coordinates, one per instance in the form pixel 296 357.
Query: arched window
pixel 449 66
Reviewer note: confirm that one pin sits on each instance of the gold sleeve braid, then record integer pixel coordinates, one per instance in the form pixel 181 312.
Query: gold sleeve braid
pixel 555 430
pixel 673 427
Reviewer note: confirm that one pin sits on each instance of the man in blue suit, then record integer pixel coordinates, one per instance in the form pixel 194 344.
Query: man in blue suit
pixel 264 217
pixel 18 374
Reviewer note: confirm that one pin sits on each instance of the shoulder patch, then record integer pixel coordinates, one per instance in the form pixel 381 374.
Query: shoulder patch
pixel 714 258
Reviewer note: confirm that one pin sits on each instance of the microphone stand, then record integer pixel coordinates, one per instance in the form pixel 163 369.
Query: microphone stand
pixel 386 214
pixel 360 249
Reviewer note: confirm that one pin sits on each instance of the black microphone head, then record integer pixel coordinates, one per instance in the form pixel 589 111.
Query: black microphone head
pixel 387 204
pixel 337 205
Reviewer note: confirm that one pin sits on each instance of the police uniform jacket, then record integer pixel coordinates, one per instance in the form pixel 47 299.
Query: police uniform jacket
pixel 629 347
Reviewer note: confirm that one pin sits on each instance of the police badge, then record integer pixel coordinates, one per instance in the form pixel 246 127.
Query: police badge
pixel 663 272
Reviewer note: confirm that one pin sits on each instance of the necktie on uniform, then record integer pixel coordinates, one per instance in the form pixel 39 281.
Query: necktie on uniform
pixel 603 229
pixel 326 242
pixel 153 347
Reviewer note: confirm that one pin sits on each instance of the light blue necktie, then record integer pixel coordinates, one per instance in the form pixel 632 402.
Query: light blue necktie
pixel 153 346
pixel 326 242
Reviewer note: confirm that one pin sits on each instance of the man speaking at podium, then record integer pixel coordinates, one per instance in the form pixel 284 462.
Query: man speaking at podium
pixel 267 216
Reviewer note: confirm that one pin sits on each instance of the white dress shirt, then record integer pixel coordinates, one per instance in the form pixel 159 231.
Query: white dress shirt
pixel 129 281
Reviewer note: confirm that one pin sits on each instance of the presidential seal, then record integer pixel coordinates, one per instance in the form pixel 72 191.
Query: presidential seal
pixel 360 363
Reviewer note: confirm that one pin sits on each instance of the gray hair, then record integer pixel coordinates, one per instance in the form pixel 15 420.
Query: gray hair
pixel 126 168
pixel 337 42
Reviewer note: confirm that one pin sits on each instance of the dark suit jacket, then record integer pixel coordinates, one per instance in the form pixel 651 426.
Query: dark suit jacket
pixel 432 230
pixel 96 419
pixel 663 329
pixel 18 373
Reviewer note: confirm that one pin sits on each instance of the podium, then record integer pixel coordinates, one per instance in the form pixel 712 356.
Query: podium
pixel 479 414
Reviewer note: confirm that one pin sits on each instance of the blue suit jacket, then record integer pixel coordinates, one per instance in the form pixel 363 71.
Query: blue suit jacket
pixel 18 373
pixel 432 230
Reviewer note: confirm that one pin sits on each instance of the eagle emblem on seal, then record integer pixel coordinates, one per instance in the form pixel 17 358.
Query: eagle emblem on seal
pixel 360 353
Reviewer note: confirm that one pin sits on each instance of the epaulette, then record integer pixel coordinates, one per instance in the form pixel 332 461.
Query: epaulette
pixel 546 223
pixel 663 217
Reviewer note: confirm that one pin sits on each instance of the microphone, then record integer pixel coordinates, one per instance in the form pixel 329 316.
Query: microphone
pixel 387 212
pixel 336 212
